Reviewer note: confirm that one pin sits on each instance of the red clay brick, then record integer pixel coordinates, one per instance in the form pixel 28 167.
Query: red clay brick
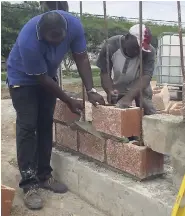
pixel 66 137
pixel 62 113
pixel 176 109
pixel 7 195
pixel 139 161
pixel 117 122
pixel 91 146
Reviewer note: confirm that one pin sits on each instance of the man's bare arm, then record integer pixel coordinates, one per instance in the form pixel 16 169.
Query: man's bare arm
pixel 135 90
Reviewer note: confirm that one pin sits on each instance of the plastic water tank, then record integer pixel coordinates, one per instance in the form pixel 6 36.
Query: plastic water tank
pixel 168 68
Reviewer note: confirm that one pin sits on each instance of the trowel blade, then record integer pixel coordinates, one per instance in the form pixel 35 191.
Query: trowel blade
pixel 86 126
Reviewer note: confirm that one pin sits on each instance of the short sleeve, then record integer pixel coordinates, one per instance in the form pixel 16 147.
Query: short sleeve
pixel 78 44
pixel 33 61
pixel 103 62
pixel 149 63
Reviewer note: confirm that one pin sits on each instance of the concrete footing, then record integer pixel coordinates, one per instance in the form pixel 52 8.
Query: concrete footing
pixel 166 134
pixel 112 193
pixel 161 132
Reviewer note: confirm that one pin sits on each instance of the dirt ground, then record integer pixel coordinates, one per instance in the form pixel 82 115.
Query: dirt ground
pixel 55 204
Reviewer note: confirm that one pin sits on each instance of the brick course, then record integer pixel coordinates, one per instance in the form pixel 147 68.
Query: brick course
pixel 66 137
pixel 91 146
pixel 139 161
pixel 63 114
pixel 117 122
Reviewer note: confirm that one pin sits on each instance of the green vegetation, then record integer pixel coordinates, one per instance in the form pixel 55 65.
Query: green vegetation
pixel 3 76
pixel 14 16
pixel 74 73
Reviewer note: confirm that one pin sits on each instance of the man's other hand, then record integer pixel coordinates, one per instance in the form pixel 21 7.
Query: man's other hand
pixel 124 102
pixel 95 98
pixel 112 97
pixel 75 106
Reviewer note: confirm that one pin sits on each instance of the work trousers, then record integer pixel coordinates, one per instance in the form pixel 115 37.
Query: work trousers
pixel 34 109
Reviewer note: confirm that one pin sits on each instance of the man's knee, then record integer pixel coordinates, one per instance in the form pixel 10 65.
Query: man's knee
pixel 26 122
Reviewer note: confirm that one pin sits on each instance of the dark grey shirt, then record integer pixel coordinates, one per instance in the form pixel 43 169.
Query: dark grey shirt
pixel 123 70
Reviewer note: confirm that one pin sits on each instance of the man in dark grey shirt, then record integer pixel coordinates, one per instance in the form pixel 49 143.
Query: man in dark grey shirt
pixel 119 63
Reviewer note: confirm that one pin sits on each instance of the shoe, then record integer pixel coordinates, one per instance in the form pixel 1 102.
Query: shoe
pixel 32 199
pixel 53 185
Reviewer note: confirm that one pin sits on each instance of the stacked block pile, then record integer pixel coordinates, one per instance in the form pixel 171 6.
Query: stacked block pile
pixel 162 103
pixel 113 150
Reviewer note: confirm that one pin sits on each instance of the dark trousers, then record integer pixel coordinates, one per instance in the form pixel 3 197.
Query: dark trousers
pixel 34 108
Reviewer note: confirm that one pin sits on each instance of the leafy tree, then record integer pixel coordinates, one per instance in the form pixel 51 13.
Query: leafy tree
pixel 14 16
pixel 68 61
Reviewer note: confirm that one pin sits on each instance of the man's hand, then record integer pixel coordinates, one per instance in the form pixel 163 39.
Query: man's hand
pixel 124 102
pixel 112 96
pixel 75 106
pixel 95 98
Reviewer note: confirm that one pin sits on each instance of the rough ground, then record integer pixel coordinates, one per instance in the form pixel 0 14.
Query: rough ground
pixel 57 205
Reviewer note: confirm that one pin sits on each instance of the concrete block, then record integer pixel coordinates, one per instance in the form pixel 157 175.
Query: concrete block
pixel 91 146
pixel 167 109
pixel 64 169
pixel 7 196
pixel 139 161
pixel 161 97
pixel 176 109
pixel 113 193
pixel 63 114
pixel 88 111
pixel 117 122
pixel 66 137
pixel 178 163
pixel 160 132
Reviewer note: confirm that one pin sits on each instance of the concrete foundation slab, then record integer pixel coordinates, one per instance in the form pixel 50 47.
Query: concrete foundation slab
pixel 112 193
pixel 178 162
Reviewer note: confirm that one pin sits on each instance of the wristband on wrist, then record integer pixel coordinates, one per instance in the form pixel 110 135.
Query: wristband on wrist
pixel 93 90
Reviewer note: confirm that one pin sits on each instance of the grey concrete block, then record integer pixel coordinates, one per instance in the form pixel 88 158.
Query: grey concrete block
pixel 112 193
pixel 64 170
pixel 178 162
pixel 162 131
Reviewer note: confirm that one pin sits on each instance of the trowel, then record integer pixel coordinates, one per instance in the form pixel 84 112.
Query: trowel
pixel 85 126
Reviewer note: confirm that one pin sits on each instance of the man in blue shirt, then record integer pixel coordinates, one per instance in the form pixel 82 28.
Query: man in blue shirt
pixel 32 68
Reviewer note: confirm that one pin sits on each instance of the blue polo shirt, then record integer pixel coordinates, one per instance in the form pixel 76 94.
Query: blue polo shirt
pixel 30 56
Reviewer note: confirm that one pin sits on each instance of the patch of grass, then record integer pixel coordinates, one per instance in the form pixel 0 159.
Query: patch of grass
pixel 154 78
pixel 75 74
pixel 3 76
pixel 97 81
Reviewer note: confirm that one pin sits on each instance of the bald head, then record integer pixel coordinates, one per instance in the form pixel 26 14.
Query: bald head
pixel 52 27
